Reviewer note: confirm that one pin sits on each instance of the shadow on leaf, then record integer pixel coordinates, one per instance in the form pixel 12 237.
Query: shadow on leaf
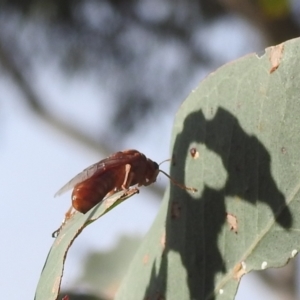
pixel 194 231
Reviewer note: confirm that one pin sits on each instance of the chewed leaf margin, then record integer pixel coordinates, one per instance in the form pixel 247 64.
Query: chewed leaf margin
pixel 50 280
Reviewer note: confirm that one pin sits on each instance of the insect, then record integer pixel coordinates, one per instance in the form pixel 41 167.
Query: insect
pixel 117 172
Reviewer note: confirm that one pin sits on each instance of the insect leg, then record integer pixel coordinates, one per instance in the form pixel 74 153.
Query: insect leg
pixel 68 214
pixel 128 177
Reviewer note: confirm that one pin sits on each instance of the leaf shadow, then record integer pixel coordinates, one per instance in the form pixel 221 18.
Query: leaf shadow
pixel 192 232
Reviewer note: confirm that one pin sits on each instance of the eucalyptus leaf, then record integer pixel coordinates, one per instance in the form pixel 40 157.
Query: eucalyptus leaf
pixel 236 139
pixel 50 280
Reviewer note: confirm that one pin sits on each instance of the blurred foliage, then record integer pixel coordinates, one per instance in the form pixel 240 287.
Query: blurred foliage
pixel 102 272
pixel 125 44
pixel 275 9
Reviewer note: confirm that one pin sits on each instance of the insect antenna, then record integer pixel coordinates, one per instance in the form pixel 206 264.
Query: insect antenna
pixel 169 159
pixel 174 181
pixel 177 183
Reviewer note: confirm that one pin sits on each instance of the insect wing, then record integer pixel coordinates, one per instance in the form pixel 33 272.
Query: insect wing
pixel 82 176
pixel 116 160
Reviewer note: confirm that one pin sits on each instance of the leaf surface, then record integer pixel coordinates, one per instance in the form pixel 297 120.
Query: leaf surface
pixel 50 280
pixel 236 139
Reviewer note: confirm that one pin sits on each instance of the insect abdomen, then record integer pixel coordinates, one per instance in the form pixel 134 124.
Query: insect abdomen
pixel 90 192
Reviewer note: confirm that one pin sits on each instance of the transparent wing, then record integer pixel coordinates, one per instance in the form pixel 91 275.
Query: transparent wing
pixel 87 173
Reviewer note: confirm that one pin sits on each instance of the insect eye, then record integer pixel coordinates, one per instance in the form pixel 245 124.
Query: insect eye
pixel 155 165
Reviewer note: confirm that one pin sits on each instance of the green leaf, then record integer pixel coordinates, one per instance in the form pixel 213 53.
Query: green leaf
pixel 237 140
pixel 50 280
pixel 275 9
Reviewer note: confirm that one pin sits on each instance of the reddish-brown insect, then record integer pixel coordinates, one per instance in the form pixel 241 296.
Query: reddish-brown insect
pixel 115 173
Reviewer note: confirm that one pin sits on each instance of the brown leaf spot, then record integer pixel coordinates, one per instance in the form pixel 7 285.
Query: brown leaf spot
pixel 175 210
pixel 232 222
pixel 238 271
pixel 275 57
pixel 194 153
pixel 163 240
pixel 283 150
pixel 145 259
pixel 56 285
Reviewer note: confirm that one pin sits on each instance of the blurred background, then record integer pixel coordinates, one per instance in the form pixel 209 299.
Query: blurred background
pixel 82 79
